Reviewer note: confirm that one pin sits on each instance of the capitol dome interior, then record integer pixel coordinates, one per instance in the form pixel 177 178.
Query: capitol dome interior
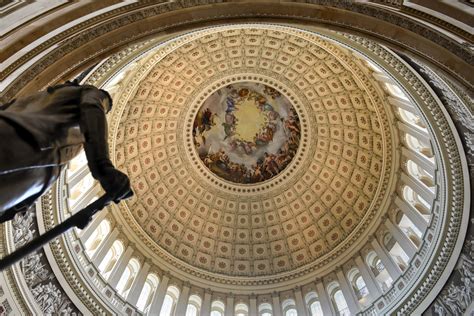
pixel 288 158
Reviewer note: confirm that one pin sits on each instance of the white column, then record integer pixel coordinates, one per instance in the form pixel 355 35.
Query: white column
pixel 229 306
pixel 120 267
pixel 374 289
pixel 300 303
pixel 418 187
pixel 206 304
pixel 87 232
pixel 158 298
pixel 406 244
pixel 100 253
pixel 420 159
pixel 253 305
pixel 138 284
pixel 387 261
pixel 348 292
pixel 326 304
pixel 77 176
pixel 412 213
pixel 182 304
pixel 401 103
pixel 276 305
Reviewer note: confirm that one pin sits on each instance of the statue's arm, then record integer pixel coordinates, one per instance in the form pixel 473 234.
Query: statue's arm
pixel 5 106
pixel 93 124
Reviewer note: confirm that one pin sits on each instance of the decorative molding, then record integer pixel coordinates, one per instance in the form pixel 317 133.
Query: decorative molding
pixel 137 11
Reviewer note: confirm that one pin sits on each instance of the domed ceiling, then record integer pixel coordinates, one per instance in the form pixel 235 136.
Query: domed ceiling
pixel 253 150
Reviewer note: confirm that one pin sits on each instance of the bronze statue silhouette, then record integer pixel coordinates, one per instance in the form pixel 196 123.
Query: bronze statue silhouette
pixel 41 133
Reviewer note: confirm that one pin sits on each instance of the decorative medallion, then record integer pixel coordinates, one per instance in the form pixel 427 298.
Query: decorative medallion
pixel 246 132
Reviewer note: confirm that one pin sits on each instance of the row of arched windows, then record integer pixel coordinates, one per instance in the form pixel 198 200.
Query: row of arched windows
pixel 151 283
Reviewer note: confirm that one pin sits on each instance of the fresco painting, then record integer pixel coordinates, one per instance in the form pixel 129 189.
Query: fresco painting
pixel 246 132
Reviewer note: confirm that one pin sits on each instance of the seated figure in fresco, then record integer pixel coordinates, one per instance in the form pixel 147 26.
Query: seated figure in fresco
pixel 41 133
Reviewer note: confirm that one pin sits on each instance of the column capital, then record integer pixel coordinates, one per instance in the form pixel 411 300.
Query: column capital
pixel 338 268
pixel 148 261
pixel 297 288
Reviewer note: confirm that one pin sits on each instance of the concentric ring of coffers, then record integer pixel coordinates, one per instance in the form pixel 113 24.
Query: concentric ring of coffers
pixel 302 216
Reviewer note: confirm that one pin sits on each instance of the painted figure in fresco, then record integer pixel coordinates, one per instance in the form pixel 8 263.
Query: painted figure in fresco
pixel 207 119
pixel 41 133
pixel 271 92
pixel 244 92
pixel 203 122
pixel 229 130
pixel 230 102
pixel 279 125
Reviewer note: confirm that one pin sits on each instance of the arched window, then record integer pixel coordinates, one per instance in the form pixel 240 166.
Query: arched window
pixel 80 188
pixel 127 277
pixel 420 174
pixel 418 202
pixel 312 302
pixel 194 305
pixel 111 258
pixel 150 286
pixel 358 284
pixel 169 303
pixel 167 307
pixel 241 309
pixel 361 287
pixel 409 229
pixel 418 145
pixel 411 119
pixel 97 237
pixel 76 164
pixel 291 312
pixel 265 309
pixel 396 252
pixel 340 303
pixel 191 310
pixel 379 271
pixel 316 309
pixel 217 308
pixel 289 307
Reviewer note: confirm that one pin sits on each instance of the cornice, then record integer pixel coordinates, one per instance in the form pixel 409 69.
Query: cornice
pixel 81 34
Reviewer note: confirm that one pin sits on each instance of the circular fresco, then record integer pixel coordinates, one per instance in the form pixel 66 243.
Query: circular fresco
pixel 246 132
